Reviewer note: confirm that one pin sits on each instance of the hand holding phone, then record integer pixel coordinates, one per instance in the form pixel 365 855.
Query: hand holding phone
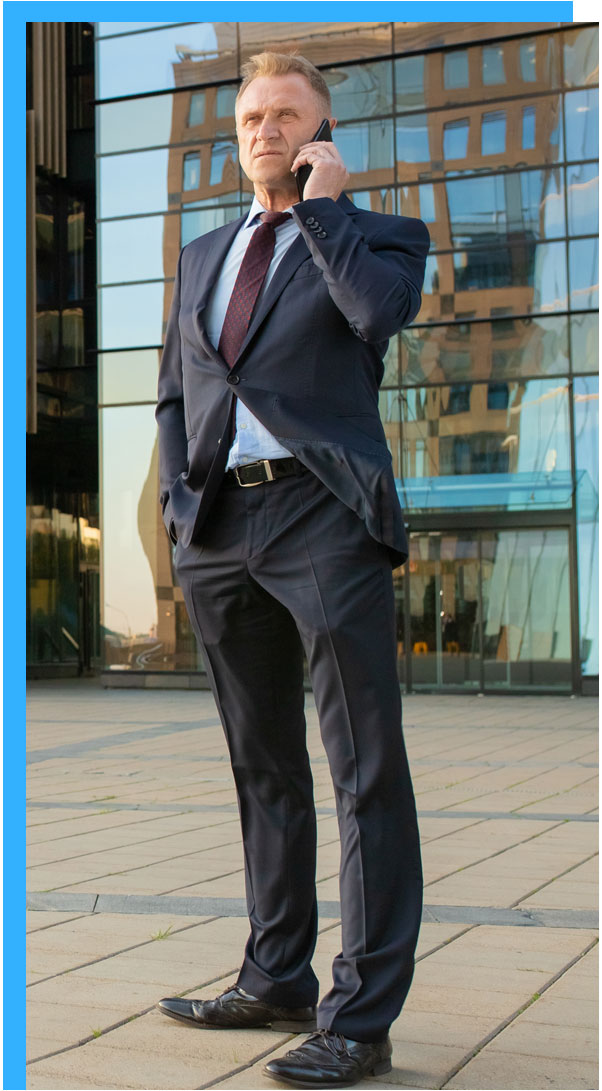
pixel 301 176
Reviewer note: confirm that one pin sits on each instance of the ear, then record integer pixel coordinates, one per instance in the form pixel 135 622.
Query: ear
pixel 332 121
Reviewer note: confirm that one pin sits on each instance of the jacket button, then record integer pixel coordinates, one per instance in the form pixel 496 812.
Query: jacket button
pixel 320 234
pixel 310 220
pixel 232 379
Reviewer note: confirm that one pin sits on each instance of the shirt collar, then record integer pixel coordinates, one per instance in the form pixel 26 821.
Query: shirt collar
pixel 256 210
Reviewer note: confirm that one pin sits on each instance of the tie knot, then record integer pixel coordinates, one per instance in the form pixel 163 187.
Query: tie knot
pixel 274 218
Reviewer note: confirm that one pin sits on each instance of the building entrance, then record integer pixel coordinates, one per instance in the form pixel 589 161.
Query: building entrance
pixel 486 610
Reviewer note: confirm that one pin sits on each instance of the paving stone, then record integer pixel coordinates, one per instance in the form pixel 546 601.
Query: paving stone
pixel 542 1040
pixel 491 1069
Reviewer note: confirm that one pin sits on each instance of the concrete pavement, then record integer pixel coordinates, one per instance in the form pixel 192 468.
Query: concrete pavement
pixel 135 880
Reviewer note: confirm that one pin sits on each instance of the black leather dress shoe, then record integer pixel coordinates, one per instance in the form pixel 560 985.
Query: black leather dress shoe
pixel 328 1059
pixel 235 1008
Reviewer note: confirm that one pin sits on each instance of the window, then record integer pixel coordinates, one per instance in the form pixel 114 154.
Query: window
pixel 528 127
pixel 196 112
pixel 225 101
pixel 220 154
pixel 455 69
pixel 528 58
pixel 493 64
pixel 493 133
pixel 455 138
pixel 191 171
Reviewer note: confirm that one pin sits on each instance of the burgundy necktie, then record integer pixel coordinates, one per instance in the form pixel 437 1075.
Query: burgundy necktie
pixel 251 275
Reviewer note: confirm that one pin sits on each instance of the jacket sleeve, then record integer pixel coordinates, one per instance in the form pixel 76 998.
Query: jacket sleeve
pixel 169 414
pixel 374 279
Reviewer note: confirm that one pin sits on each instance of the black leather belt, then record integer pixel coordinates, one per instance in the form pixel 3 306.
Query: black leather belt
pixel 256 473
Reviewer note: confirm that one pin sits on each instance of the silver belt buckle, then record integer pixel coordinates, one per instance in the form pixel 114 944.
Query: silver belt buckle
pixel 251 484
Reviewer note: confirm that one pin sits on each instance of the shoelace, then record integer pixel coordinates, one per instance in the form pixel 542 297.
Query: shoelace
pixel 333 1041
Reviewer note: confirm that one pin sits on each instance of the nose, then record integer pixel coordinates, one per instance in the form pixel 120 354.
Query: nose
pixel 268 130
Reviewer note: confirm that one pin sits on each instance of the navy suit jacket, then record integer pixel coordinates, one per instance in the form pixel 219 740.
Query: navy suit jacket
pixel 309 368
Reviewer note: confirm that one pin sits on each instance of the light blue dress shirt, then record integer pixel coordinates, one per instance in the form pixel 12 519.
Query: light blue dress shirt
pixel 252 441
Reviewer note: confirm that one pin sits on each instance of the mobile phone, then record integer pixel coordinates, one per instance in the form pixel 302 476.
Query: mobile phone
pixel 304 172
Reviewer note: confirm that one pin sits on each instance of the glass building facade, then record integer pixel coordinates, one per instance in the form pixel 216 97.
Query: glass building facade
pixel 489 133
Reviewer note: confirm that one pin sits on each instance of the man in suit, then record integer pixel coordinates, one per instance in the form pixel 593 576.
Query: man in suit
pixel 277 488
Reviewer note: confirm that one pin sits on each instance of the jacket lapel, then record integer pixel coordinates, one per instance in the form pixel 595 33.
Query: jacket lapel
pixel 208 273
pixel 297 252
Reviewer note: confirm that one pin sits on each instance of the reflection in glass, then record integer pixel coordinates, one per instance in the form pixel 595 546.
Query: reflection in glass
pixel 128 376
pixel 131 316
pixel 200 221
pixel 361 90
pixel 225 101
pixel 46 257
pixel 52 585
pixel 482 456
pixel 143 611
pixel 528 204
pixel 223 160
pixel 133 184
pixel 588 511
pixel 581 56
pixel 178 55
pixel 585 337
pixel 581 124
pixel 493 133
pixel 134 123
pixel 444 609
pixel 321 42
pixel 409 83
pixel 493 64
pixel 455 69
pixel 582 196
pixel 366 147
pixel 133 249
pixel 455 138
pixel 526 609
pixel 374 200
pixel 583 274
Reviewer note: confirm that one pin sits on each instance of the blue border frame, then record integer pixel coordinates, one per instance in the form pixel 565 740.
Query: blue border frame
pixel 15 15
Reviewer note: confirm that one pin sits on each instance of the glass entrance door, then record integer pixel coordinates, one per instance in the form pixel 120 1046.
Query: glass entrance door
pixel 488 610
pixel 444 610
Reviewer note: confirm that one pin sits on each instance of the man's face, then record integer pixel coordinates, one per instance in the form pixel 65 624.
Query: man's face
pixel 274 116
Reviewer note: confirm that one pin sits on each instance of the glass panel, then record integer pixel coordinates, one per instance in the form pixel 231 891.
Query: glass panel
pixel 321 42
pixel 528 204
pixel 104 30
pixel 581 56
pixel 582 196
pixel 132 184
pixel 131 316
pixel 361 90
pixel 585 335
pixel 46 257
pixel 588 510
pixel 367 148
pixel 584 274
pixel 493 133
pixel 392 362
pixel 444 610
pixel 178 55
pixel 225 101
pixel 526 609
pixel 134 249
pixel 224 157
pixel 491 280
pixel 142 609
pixel 52 586
pixel 455 69
pixel 409 83
pixel 412 134
pixel 581 124
pixel 128 376
pixel 134 123
pixel 74 287
pixel 390 415
pixel 461 450
pixel 199 222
